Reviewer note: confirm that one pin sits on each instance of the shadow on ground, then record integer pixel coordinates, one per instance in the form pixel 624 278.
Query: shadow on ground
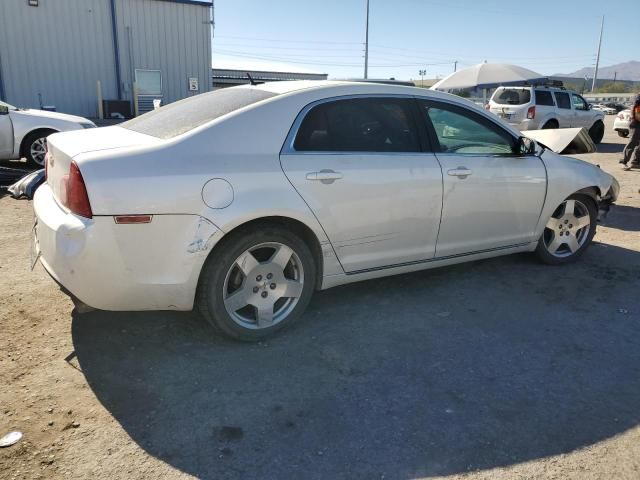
pixel 439 372
pixel 610 148
pixel 623 217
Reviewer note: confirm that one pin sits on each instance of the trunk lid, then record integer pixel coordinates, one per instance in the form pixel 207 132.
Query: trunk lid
pixel 63 147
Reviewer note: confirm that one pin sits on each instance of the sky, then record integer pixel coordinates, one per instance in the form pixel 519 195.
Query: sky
pixel 406 36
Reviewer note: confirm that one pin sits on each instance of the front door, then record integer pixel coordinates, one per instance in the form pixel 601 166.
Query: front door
pixel 358 164
pixel 492 197
pixel 6 136
pixel 582 115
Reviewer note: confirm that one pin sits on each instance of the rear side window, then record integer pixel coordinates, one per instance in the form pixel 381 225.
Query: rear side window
pixel 563 100
pixel 359 125
pixel 184 115
pixel 544 97
pixel 512 96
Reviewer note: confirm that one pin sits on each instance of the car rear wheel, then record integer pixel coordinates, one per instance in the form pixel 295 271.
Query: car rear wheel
pixel 596 132
pixel 623 133
pixel 550 124
pixel 257 283
pixel 34 147
pixel 569 231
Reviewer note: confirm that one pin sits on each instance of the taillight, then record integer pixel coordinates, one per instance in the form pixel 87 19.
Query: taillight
pixel 487 107
pixel 75 196
pixel 531 113
pixel 621 116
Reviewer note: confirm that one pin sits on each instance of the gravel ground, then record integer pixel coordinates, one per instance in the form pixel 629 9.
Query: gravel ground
pixel 498 369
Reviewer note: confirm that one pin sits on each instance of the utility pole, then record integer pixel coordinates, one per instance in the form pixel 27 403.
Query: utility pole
pixel 615 76
pixel 595 74
pixel 455 66
pixel 366 45
pixel 422 74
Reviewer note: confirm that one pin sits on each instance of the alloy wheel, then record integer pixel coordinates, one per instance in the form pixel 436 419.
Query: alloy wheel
pixel 38 150
pixel 568 229
pixel 263 285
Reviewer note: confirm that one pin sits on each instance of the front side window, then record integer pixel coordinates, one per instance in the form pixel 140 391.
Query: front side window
pixel 563 100
pixel 578 102
pixel 359 125
pixel 461 132
pixel 544 97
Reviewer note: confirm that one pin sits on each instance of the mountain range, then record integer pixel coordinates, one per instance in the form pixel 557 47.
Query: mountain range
pixel 625 71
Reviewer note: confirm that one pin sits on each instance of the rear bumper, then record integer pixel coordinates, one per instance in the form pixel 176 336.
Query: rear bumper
pixel 526 125
pixel 123 267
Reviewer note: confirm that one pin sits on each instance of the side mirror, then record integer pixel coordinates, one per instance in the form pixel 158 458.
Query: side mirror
pixel 525 146
pixel 4 110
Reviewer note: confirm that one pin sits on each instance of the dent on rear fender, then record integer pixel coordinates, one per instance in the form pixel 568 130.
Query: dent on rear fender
pixel 204 236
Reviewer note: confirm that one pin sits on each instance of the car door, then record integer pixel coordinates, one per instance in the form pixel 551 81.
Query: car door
pixel 582 115
pixel 359 165
pixel 6 136
pixel 565 112
pixel 492 197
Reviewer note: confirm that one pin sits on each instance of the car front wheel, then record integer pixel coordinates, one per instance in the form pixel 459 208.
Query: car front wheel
pixel 569 231
pixel 257 283
pixel 623 133
pixel 596 132
pixel 35 148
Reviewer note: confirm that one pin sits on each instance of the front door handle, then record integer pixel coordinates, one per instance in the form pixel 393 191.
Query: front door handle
pixel 324 176
pixel 460 172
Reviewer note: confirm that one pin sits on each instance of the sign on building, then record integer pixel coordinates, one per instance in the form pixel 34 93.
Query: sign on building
pixel 193 84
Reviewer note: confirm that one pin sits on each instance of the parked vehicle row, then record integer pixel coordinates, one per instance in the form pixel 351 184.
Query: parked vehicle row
pixel 535 107
pixel 604 109
pixel 243 201
pixel 24 132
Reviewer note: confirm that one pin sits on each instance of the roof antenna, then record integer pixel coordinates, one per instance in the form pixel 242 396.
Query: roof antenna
pixel 251 80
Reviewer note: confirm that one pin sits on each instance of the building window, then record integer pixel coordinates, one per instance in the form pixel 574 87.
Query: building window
pixel 149 82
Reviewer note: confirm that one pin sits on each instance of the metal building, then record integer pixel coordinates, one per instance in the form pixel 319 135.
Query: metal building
pixel 54 52
pixel 228 73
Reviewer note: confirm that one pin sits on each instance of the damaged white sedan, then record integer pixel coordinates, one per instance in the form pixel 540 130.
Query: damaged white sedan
pixel 243 201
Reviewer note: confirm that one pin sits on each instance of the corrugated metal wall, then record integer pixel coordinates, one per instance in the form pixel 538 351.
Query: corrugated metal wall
pixel 167 36
pixel 62 47
pixel 58 49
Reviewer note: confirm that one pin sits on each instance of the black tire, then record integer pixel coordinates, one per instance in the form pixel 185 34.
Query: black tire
pixel 596 132
pixel 222 261
pixel 550 124
pixel 27 144
pixel 623 133
pixel 541 250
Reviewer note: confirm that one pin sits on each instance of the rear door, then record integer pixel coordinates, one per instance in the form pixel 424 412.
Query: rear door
pixel 492 196
pixel 565 112
pixel 545 106
pixel 359 165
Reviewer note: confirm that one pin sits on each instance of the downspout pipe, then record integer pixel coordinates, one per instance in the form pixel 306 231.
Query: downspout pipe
pixel 116 48
pixel 2 92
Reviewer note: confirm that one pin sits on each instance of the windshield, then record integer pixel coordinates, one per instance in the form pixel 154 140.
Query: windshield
pixel 512 96
pixel 184 115
pixel 5 104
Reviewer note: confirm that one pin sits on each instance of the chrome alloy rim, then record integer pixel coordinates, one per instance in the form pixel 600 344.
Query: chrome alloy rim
pixel 568 229
pixel 263 285
pixel 38 150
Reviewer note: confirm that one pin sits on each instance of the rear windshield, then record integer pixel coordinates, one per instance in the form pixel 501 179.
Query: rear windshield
pixel 184 115
pixel 512 96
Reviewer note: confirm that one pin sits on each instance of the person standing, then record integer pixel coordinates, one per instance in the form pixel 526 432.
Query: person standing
pixel 631 158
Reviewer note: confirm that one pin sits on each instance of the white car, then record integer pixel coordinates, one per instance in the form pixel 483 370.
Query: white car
pixel 604 109
pixel 24 132
pixel 622 122
pixel 535 107
pixel 243 201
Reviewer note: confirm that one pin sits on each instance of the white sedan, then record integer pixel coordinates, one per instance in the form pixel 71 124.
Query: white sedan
pixel 24 132
pixel 243 201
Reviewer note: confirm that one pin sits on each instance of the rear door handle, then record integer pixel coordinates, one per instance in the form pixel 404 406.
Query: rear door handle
pixel 324 176
pixel 460 172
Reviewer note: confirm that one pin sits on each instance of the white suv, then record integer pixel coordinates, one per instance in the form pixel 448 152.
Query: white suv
pixel 534 107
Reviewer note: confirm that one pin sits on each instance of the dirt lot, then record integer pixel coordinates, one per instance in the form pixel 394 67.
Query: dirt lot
pixel 497 369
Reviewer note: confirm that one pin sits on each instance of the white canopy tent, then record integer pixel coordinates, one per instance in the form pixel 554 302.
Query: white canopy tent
pixel 488 75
